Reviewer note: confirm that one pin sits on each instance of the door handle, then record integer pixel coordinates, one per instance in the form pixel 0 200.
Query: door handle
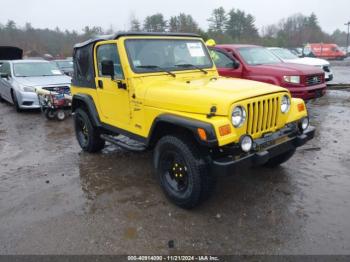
pixel 100 84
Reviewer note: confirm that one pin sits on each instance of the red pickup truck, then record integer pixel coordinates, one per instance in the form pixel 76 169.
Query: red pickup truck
pixel 259 64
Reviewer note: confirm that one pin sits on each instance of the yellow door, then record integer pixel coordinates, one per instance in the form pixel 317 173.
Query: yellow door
pixel 113 99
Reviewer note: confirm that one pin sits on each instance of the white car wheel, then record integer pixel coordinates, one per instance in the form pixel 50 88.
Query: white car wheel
pixel 61 115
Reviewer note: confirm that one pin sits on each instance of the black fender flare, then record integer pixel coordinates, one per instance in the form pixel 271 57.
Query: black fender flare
pixel 89 104
pixel 187 123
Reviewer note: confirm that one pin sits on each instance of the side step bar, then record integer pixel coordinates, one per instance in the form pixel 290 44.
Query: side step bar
pixel 125 142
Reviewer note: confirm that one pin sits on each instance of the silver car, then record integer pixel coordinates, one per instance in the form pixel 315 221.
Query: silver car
pixel 20 78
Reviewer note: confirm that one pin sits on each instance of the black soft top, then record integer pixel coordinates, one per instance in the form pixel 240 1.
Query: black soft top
pixel 118 35
pixel 83 56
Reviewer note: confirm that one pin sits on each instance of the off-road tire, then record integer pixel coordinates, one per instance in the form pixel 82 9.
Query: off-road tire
pixel 280 159
pixel 200 182
pixel 89 139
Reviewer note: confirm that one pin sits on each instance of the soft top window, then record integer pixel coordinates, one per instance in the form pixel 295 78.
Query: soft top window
pixel 84 75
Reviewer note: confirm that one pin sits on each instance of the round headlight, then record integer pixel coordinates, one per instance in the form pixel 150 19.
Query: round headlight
pixel 238 116
pixel 304 123
pixel 246 143
pixel 285 104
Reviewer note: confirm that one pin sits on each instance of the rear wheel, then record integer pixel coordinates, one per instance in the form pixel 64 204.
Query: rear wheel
pixel 280 159
pixel 50 114
pixel 182 171
pixel 87 135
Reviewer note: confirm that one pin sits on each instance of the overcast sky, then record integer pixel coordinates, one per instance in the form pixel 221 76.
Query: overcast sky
pixel 75 14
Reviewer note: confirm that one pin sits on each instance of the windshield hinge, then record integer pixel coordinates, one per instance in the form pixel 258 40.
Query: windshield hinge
pixel 212 113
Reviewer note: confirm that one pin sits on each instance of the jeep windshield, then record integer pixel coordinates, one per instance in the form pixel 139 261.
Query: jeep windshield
pixel 166 55
pixel 258 56
pixel 31 69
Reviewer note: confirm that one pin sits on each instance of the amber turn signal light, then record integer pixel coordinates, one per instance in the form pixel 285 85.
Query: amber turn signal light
pixel 202 134
pixel 225 130
pixel 301 107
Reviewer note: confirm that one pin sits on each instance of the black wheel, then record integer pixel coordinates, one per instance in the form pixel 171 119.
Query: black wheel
pixel 280 159
pixel 15 102
pixel 88 136
pixel 1 99
pixel 50 114
pixel 60 115
pixel 182 171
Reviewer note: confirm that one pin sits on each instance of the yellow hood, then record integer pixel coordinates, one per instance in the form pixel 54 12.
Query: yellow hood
pixel 198 96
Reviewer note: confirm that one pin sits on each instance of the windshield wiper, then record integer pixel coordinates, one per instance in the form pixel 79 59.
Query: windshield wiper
pixel 157 67
pixel 190 65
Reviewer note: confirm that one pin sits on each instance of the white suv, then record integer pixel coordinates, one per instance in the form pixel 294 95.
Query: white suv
pixel 288 57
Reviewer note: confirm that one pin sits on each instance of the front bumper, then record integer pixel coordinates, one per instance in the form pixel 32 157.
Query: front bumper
pixel 27 100
pixel 308 92
pixel 265 149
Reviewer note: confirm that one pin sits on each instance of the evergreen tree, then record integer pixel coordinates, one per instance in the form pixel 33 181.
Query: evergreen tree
pixel 155 23
pixel 241 26
pixel 217 21
pixel 135 25
pixel 183 23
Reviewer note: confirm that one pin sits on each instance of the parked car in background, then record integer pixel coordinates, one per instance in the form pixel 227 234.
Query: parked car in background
pixel 10 53
pixel 34 58
pixel 298 51
pixel 259 64
pixel 346 50
pixel 66 66
pixel 20 78
pixel 325 51
pixel 288 57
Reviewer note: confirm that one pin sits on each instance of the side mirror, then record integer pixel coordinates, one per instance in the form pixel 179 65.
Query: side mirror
pixel 108 68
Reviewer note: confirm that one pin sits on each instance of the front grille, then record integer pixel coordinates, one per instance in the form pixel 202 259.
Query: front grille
pixel 326 69
pixel 262 115
pixel 58 89
pixel 27 103
pixel 313 80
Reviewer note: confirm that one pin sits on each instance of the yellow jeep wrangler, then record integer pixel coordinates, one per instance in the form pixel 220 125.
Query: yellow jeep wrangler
pixel 161 91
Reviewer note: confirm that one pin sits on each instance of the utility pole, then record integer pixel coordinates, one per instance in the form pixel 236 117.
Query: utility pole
pixel 347 38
